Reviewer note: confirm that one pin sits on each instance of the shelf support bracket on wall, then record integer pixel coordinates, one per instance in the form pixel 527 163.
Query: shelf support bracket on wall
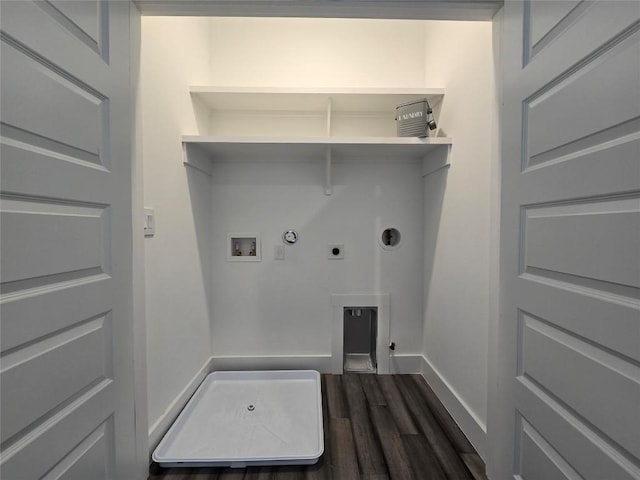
pixel 328 188
pixel 193 156
pixel 329 117
pixel 436 160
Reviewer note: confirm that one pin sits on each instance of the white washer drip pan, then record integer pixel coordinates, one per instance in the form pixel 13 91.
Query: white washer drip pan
pixel 240 419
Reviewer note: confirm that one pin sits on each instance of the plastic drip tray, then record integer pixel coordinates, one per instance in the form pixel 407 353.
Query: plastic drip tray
pixel 240 419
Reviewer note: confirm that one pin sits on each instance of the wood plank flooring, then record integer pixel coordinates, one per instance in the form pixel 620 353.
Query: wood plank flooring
pixel 376 427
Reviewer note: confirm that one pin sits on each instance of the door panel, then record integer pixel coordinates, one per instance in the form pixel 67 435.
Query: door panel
pixel 580 447
pixel 543 20
pixel 87 459
pixel 86 20
pixel 43 171
pixel 566 109
pixel 569 332
pixel 46 311
pixel 612 324
pixel 605 231
pixel 587 380
pixel 608 165
pixel 539 458
pixel 66 375
pixel 47 447
pixel 77 237
pixel 70 112
pixel 562 41
pixel 51 366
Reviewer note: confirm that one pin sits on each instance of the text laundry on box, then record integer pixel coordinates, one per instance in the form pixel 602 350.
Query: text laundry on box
pixel 414 119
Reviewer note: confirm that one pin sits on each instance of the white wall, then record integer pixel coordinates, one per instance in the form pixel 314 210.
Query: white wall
pixel 459 232
pixel 198 304
pixel 280 307
pixel 311 52
pixel 174 55
pixel 284 307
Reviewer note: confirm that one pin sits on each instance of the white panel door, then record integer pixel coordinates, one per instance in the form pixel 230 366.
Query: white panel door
pixel 66 372
pixel 569 332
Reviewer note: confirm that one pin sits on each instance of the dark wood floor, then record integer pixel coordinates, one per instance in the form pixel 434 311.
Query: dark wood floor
pixel 376 427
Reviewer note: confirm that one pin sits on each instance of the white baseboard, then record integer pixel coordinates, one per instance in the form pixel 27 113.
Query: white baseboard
pixel 471 425
pixel 405 363
pixel 321 363
pixel 162 424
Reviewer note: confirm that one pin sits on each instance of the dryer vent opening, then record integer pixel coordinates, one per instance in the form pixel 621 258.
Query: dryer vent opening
pixel 360 339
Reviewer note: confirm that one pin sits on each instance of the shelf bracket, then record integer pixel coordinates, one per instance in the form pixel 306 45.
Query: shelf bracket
pixel 328 188
pixel 329 113
pixel 193 156
pixel 436 160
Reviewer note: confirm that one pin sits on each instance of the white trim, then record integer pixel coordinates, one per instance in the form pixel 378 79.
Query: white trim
pixel 404 363
pixel 141 403
pixel 399 363
pixel 406 9
pixel 495 405
pixel 321 363
pixel 162 424
pixel 472 426
pixel 339 302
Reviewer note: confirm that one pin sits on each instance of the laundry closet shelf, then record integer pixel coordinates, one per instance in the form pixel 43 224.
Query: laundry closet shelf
pixel 252 149
pixel 274 99
pixel 330 125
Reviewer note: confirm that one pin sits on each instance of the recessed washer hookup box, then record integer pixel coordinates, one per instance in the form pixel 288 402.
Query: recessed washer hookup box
pixel 411 118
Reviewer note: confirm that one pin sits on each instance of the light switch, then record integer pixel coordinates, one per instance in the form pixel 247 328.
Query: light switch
pixel 149 222
pixel 278 252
